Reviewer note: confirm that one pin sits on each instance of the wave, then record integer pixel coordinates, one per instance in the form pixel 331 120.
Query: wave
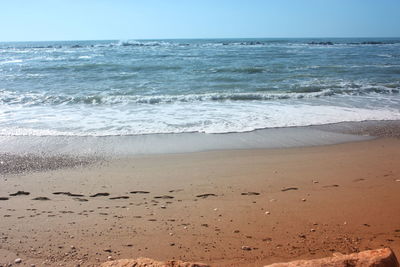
pixel 195 43
pixel 11 61
pixel 34 99
pixel 99 67
pixel 248 70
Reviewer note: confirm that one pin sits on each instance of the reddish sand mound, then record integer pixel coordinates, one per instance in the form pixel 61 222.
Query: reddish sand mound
pixel 379 257
pixel 369 258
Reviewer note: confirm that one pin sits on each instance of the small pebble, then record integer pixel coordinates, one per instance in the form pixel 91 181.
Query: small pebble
pixel 109 258
pixel 267 213
pixel 312 230
pixel 18 260
pixel 215 209
pixel 303 199
pixel 247 248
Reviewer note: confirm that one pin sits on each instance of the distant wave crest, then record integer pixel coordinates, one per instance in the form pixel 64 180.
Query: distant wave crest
pixel 183 43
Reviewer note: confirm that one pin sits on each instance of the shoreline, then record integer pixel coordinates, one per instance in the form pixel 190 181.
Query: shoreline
pixel 125 146
pixel 206 206
pixel 24 154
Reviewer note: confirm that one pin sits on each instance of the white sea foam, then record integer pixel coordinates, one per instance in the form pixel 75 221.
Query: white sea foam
pixel 205 117
pixel 11 61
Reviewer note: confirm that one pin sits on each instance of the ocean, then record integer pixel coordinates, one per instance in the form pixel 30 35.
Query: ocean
pixel 136 87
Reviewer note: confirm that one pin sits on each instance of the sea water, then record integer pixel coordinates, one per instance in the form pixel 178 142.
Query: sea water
pixel 136 87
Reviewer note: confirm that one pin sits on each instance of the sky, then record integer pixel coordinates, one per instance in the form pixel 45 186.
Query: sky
pixel 47 20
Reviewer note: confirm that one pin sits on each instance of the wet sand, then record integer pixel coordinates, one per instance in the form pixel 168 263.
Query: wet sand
pixel 227 208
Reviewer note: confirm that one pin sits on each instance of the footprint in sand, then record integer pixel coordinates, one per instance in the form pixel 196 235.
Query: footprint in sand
pixel 100 195
pixel 68 194
pixel 175 190
pixel 41 198
pixel 206 195
pixel 139 192
pixel 120 197
pixel 164 197
pixel 250 194
pixel 332 185
pixel 289 188
pixel 20 193
pixel 81 199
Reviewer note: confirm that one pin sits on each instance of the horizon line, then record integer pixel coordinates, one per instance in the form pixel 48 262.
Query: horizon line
pixel 199 38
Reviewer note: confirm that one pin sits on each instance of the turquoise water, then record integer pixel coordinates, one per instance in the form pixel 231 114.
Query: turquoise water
pixel 214 86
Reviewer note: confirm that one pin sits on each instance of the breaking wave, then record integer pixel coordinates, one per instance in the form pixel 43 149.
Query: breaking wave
pixel 34 99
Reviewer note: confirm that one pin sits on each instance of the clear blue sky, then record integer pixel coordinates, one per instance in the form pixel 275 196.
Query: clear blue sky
pixel 23 20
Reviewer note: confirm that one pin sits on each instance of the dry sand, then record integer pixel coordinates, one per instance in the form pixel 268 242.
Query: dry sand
pixel 265 206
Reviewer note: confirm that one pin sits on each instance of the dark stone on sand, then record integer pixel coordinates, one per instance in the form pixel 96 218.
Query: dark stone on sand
pixel 139 192
pixel 100 195
pixel 288 189
pixel 206 195
pixel 120 197
pixel 20 193
pixel 250 194
pixel 4 198
pixel 41 198
pixel 68 194
pixel 164 197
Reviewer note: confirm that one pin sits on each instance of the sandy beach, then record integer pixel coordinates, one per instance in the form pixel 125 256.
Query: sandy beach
pixel 199 133
pixel 244 207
